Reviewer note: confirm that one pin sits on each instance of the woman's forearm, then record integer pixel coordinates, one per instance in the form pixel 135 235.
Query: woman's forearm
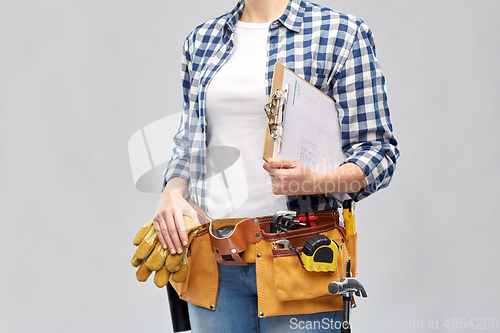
pixel 178 186
pixel 348 178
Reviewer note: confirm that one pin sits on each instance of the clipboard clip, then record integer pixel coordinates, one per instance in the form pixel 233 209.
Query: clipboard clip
pixel 274 111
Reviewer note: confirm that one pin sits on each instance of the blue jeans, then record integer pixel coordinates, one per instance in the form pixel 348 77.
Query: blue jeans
pixel 236 310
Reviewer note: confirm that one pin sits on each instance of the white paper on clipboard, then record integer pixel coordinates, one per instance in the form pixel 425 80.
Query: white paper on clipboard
pixel 310 130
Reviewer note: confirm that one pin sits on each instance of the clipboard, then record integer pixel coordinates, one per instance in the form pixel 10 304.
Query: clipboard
pixel 302 123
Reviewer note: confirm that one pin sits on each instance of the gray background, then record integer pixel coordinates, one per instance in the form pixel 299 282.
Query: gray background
pixel 78 78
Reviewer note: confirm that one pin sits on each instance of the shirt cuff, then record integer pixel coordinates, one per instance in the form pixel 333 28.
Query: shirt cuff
pixel 377 172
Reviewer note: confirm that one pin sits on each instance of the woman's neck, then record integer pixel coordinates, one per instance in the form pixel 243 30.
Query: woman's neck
pixel 262 11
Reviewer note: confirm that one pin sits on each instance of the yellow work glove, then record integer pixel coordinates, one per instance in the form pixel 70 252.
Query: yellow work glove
pixel 147 244
pixel 151 256
pixel 161 277
pixel 146 239
pixel 156 259
pixel 143 272
pixel 143 232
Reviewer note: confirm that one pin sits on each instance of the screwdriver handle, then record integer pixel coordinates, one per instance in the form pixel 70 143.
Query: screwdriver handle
pixel 348 214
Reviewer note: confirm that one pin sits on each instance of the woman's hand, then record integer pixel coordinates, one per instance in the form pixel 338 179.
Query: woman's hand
pixel 290 177
pixel 169 222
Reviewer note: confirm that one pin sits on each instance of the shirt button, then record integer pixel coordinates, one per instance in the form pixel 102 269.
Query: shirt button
pixel 203 83
pixel 227 48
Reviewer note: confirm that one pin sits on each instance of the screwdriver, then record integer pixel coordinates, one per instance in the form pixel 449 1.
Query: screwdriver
pixel 348 214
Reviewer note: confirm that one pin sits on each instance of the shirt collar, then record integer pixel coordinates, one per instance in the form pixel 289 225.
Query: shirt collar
pixel 234 16
pixel 293 15
pixel 291 18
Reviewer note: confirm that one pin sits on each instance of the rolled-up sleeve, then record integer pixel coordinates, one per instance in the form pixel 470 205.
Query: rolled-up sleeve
pixel 178 165
pixel 367 136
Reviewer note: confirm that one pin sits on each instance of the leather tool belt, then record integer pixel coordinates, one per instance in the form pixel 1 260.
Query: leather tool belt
pixel 229 238
pixel 284 287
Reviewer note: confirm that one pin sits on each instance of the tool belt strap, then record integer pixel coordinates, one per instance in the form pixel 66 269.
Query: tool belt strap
pixel 237 249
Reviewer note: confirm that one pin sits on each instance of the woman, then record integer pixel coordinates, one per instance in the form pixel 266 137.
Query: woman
pixel 227 71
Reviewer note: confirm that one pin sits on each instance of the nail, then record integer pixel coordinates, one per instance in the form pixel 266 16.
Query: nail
pixel 185 243
pixel 172 251
pixel 179 250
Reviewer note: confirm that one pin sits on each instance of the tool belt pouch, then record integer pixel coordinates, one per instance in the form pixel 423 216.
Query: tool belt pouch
pixel 228 249
pixel 202 276
pixel 352 249
pixel 292 282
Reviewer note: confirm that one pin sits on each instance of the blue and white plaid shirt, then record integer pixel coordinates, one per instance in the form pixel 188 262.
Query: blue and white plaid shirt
pixel 333 51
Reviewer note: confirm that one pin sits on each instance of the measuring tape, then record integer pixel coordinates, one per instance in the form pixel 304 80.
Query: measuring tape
pixel 320 254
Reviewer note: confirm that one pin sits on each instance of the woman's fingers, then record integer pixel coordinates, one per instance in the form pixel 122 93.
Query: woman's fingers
pixel 171 231
pixel 157 227
pixel 284 169
pixel 281 163
pixel 160 223
pixel 289 177
pixel 173 234
pixel 181 229
pixel 269 168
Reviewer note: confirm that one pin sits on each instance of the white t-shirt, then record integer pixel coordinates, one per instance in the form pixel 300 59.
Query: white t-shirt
pixel 237 185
